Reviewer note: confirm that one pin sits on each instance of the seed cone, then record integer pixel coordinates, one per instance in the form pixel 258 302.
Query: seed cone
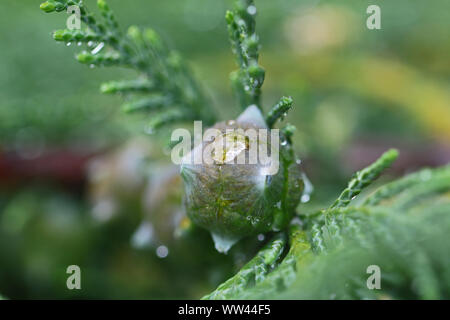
pixel 233 200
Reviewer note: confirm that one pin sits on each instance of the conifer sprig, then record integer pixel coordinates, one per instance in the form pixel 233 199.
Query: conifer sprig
pixel 285 273
pixel 394 188
pixel 253 272
pixel 365 177
pixel 172 93
pixel 246 81
pixel 279 111
pixel 330 251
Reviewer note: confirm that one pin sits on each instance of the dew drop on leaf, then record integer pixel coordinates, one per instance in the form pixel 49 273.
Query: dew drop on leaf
pixel 98 48
pixel 309 188
pixel 143 236
pixel 223 244
pixel 251 10
pixel 162 251
pixel 305 198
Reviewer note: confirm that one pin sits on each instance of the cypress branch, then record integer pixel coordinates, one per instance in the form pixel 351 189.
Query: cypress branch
pixel 396 187
pixel 80 36
pixel 248 80
pixel 279 111
pixel 421 191
pixel 255 269
pixel 138 85
pixel 107 59
pixel 166 118
pixel 409 249
pixel 426 279
pixel 365 177
pixel 162 70
pixel 151 103
pixel 108 15
pixel 284 274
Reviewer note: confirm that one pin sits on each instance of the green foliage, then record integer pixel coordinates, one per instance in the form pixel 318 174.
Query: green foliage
pixel 411 181
pixel 365 177
pixel 277 273
pixel 165 86
pixel 165 81
pixel 254 271
pixel 247 81
pixel 279 111
pixel 402 227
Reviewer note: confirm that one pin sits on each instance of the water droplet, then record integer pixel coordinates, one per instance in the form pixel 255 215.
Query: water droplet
pixel 261 237
pixel 223 244
pixel 284 142
pixel 309 188
pixel 90 43
pixel 251 10
pixel 79 43
pixel 162 252
pixel 68 44
pixel 92 66
pixel 98 48
pixel 143 236
pixel 305 198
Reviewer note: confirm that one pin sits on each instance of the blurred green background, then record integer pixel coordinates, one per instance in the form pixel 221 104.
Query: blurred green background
pixel 80 183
